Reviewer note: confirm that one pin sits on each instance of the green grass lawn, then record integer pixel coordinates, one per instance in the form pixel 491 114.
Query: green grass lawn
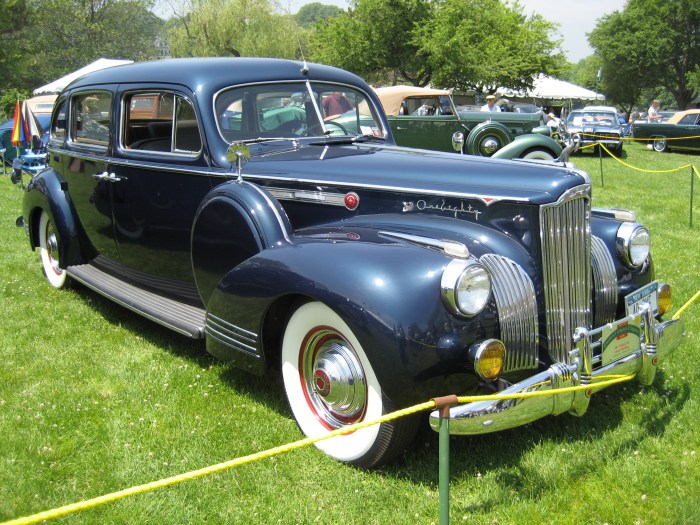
pixel 95 399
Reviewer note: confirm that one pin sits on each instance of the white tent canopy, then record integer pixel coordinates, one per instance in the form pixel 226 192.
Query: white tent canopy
pixel 57 85
pixel 549 88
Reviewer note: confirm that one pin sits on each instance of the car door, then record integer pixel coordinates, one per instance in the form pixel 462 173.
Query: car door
pixel 85 167
pixel 161 179
pixel 688 131
pixel 423 124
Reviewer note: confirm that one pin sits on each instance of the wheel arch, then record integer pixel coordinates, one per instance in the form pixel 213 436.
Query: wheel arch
pixel 529 142
pixel 259 223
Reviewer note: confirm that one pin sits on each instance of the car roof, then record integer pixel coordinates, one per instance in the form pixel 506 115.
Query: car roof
pixel 392 96
pixel 213 74
pixel 676 117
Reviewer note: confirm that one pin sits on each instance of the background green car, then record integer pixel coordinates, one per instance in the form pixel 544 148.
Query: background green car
pixel 427 118
pixel 681 131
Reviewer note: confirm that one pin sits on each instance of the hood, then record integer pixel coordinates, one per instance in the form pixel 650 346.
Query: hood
pixel 408 170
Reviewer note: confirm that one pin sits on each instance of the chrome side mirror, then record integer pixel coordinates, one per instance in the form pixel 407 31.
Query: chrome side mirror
pixel 458 141
pixel 238 153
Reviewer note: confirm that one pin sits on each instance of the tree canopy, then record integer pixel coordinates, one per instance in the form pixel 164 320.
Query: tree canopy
pixel 45 39
pixel 650 44
pixel 234 28
pixel 468 44
pixel 375 38
pixel 310 14
pixel 486 44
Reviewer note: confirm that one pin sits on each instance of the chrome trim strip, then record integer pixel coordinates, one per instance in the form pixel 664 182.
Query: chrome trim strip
pixel 282 223
pixel 231 335
pixel 319 197
pixel 456 249
pixel 517 312
pixel 605 287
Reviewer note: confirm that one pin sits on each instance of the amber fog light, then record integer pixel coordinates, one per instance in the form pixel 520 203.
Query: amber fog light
pixel 487 358
pixel 664 298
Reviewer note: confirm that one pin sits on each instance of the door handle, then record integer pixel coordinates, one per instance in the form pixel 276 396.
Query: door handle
pixel 110 177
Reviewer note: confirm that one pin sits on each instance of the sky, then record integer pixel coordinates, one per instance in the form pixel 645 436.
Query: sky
pixel 575 18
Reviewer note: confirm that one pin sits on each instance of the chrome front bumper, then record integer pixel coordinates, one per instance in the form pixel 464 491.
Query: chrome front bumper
pixel 658 339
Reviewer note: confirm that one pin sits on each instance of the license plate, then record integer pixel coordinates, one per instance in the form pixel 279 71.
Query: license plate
pixel 646 294
pixel 621 339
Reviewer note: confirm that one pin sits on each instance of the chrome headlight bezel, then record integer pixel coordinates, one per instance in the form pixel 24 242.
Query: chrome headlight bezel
pixel 466 287
pixel 633 244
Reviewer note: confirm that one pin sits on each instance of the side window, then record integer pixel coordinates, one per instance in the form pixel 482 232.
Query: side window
pixel 90 118
pixel 58 122
pixel 187 138
pixel 160 121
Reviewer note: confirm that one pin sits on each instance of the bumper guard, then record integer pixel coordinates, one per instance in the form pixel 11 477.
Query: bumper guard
pixel 658 339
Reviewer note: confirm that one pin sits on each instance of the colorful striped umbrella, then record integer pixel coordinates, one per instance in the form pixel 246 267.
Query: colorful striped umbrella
pixel 26 125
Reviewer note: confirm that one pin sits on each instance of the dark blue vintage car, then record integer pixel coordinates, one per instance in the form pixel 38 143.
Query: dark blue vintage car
pixel 224 199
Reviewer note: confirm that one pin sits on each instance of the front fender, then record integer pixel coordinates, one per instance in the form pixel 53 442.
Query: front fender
pixel 522 144
pixel 46 191
pixel 387 292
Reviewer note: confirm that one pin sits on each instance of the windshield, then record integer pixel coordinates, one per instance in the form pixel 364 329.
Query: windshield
pixel 599 118
pixel 294 110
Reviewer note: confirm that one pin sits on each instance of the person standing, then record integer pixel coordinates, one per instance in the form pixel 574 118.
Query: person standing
pixel 491 105
pixel 653 113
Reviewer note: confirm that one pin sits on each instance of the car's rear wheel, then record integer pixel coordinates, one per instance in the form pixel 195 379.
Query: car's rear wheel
pixel 48 248
pixel 660 144
pixel 330 384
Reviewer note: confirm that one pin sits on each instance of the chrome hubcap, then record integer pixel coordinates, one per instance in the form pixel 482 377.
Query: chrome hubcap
pixel 333 379
pixel 490 146
pixel 52 249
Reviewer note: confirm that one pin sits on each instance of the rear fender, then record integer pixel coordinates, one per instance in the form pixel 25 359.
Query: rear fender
pixel 526 143
pixel 47 191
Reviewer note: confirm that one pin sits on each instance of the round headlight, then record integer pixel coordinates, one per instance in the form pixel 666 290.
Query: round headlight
pixel 633 243
pixel 466 287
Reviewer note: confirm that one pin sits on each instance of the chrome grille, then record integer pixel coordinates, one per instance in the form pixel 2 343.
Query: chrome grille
pixel 604 283
pixel 517 311
pixel 566 263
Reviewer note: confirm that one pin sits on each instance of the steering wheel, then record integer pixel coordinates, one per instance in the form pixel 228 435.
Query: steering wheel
pixel 342 128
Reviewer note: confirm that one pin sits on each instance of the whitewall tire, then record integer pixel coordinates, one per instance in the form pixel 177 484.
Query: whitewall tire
pixel 48 248
pixel 330 384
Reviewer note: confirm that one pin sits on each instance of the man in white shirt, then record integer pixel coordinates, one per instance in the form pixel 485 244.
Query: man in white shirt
pixel 491 104
pixel 653 114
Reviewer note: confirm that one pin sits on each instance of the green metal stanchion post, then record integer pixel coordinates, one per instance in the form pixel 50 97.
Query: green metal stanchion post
pixel 692 182
pixel 600 155
pixel 443 404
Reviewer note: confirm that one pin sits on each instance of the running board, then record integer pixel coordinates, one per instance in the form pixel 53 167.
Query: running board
pixel 180 317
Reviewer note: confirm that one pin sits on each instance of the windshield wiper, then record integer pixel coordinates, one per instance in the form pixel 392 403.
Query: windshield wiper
pixel 346 139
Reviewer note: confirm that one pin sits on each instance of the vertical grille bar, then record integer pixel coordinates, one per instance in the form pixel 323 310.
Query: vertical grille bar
pixel 517 311
pixel 566 264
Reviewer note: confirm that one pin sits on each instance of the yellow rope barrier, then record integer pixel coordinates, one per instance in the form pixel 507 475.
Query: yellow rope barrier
pixel 147 487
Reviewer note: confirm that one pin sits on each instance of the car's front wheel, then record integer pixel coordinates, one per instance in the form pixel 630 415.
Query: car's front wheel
pixel 660 144
pixel 330 384
pixel 538 153
pixel 48 248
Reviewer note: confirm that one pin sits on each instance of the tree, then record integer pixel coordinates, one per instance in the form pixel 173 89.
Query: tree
pixel 234 28
pixel 485 44
pixel 375 37
pixel 68 34
pixel 314 13
pixel 14 44
pixel 650 43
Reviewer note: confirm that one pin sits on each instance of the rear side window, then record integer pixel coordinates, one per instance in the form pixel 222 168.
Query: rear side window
pixel 91 118
pixel 58 122
pixel 160 121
